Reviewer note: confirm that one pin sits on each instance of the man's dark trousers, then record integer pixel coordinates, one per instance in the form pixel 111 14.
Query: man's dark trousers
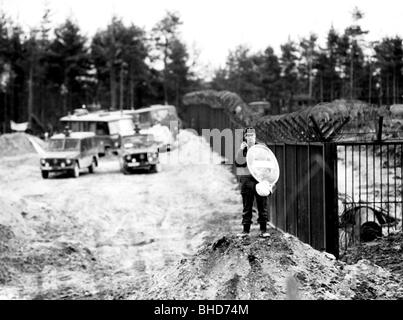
pixel 248 191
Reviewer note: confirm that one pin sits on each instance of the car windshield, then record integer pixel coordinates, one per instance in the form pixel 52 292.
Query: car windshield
pixel 64 145
pixel 160 115
pixel 138 141
pixel 122 126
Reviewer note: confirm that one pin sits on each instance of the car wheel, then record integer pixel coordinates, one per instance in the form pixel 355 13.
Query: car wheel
pixel 76 171
pixel 156 168
pixel 124 170
pixel 45 174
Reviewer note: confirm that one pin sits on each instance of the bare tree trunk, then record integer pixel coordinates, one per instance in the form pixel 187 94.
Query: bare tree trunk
pixel 30 95
pixel 121 102
pixel 290 103
pixel 394 85
pixel 165 72
pixel 380 92
pixel 369 85
pixel 310 78
pixel 387 90
pixel 113 87
pixel 131 86
pixel 64 104
pixel 351 75
pixel 321 88
pixel 12 104
pixel 43 102
pixel 331 78
pixel 5 112
pixel 177 93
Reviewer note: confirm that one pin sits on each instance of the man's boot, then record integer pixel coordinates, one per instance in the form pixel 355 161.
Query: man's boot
pixel 263 230
pixel 245 232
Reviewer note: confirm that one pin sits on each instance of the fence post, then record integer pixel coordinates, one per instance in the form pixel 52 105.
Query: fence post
pixel 380 125
pixel 331 200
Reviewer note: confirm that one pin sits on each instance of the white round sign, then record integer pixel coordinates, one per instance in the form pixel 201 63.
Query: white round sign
pixel 262 164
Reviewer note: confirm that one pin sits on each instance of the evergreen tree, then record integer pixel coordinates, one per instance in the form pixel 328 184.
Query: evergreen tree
pixel 389 60
pixel 166 35
pixel 119 55
pixel 289 72
pixel 69 65
pixel 307 63
pixel 270 71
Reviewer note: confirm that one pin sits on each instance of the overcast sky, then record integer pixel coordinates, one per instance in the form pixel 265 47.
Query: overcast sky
pixel 216 26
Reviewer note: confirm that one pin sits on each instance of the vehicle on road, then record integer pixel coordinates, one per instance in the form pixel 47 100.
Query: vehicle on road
pixel 152 119
pixel 108 126
pixel 165 115
pixel 70 152
pixel 139 151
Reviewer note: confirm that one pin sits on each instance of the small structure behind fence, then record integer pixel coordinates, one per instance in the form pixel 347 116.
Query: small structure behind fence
pixel 370 190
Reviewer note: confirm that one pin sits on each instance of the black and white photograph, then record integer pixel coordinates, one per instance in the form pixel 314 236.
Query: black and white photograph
pixel 224 152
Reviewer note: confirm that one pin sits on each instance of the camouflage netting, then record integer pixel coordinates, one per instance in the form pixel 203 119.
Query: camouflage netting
pixel 323 122
pixel 226 100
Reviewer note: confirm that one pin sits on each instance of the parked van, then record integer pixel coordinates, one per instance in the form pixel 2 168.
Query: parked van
pixel 70 152
pixel 164 115
pixel 108 127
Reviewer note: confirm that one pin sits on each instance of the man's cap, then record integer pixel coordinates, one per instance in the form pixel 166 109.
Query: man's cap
pixel 249 130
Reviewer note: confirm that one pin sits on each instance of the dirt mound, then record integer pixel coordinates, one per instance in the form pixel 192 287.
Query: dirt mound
pixel 281 267
pixel 6 246
pixel 386 252
pixel 14 144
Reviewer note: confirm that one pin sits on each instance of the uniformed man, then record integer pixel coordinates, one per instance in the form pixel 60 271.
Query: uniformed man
pixel 248 188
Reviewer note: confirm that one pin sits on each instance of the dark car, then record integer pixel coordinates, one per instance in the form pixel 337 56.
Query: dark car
pixel 70 153
pixel 139 151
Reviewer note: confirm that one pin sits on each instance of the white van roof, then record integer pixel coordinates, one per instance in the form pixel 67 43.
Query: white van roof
pixel 97 117
pixel 154 107
pixel 74 135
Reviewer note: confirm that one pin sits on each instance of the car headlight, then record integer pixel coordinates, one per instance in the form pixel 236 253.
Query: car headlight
pixel 142 156
pixel 62 164
pixel 128 157
pixel 68 162
pixel 43 162
pixel 116 144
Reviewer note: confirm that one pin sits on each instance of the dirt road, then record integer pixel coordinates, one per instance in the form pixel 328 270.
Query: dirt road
pixel 104 233
pixel 164 235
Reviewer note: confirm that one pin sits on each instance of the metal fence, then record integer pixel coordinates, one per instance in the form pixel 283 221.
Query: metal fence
pixel 305 200
pixel 330 195
pixel 370 190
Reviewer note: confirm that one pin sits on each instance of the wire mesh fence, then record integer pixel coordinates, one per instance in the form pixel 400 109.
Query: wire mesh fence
pixel 369 176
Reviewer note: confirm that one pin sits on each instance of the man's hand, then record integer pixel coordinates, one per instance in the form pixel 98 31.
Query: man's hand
pixel 243 145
